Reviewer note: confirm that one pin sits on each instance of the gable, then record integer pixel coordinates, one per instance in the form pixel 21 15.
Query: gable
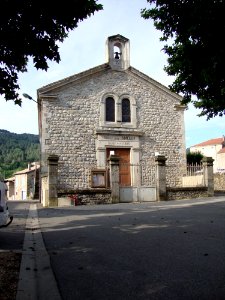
pixel 103 70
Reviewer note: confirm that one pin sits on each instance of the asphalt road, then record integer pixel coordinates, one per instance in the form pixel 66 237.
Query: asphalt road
pixel 11 244
pixel 168 250
pixel 11 237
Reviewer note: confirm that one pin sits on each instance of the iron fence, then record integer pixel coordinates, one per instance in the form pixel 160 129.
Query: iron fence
pixel 194 169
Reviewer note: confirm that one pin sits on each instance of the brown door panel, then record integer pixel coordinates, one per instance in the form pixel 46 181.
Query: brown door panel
pixel 124 167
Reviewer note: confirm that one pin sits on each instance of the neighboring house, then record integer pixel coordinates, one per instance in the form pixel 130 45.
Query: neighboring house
pixel 214 148
pixel 110 109
pixel 10 182
pixel 25 184
pixel 221 160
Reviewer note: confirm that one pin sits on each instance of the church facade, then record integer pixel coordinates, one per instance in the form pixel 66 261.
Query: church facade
pixel 112 109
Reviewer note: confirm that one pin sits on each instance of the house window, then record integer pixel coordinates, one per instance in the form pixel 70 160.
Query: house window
pixel 110 109
pixel 125 110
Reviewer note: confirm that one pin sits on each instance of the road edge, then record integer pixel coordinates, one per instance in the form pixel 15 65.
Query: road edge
pixel 36 278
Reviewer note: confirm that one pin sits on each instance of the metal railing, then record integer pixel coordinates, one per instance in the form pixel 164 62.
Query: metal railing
pixel 194 176
pixel 194 169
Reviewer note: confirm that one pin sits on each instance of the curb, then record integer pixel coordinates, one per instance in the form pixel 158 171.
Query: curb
pixel 36 278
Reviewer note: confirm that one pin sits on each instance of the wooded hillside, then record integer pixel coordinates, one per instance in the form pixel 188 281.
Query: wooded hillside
pixel 16 151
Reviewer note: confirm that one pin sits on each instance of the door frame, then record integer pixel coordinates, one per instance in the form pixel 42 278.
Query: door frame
pixel 127 179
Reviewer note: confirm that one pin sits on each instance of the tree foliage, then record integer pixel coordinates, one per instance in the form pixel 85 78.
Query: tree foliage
pixel 30 28
pixel 16 151
pixel 194 158
pixel 193 31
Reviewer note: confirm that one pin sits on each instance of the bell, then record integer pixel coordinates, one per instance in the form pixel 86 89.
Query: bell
pixel 117 55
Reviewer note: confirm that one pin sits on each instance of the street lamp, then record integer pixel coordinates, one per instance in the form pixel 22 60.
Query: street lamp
pixel 29 97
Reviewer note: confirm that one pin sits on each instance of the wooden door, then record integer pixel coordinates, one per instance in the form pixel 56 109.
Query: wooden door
pixel 124 167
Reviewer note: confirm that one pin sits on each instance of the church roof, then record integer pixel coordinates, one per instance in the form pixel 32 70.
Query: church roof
pixel 72 78
pixel 100 69
pixel 119 37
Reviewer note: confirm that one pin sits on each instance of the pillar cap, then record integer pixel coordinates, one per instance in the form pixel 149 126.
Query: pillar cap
pixel 114 158
pixel 160 158
pixel 53 157
pixel 208 161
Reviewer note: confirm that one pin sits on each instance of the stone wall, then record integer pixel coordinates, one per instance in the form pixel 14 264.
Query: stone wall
pixel 70 122
pixel 87 196
pixel 31 184
pixel 219 182
pixel 186 193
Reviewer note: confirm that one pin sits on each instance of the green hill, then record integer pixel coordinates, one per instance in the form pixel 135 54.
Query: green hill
pixel 16 151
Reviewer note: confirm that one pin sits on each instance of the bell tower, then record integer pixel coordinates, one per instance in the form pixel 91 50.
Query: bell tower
pixel 118 52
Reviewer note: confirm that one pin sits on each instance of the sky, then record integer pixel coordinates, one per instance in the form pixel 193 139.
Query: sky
pixel 84 48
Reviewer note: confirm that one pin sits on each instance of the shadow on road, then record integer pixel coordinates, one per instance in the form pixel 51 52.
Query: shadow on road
pixel 172 250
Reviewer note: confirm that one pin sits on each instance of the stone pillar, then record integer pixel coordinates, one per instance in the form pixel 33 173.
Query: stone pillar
pixel 52 180
pixel 160 177
pixel 136 168
pixel 114 178
pixel 207 163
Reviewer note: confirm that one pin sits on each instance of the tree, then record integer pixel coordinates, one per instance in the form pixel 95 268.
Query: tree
pixel 16 151
pixel 30 28
pixel 193 31
pixel 194 158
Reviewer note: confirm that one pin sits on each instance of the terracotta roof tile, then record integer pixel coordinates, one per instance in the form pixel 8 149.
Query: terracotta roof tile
pixel 216 141
pixel 27 170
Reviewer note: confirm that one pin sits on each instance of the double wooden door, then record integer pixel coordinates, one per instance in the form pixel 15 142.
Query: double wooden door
pixel 124 166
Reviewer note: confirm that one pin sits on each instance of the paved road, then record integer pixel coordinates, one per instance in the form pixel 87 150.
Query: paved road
pixel 169 250
pixel 11 237
pixel 11 244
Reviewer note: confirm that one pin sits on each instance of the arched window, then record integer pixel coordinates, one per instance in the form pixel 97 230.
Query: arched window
pixel 110 109
pixel 118 111
pixel 126 110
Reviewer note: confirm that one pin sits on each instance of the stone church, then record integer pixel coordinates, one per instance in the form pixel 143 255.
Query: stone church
pixel 111 109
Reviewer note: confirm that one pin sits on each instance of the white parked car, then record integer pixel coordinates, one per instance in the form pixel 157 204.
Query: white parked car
pixel 5 217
